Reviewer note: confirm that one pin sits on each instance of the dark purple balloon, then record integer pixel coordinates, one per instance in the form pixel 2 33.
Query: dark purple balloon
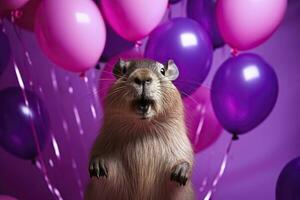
pixel 16 120
pixel 244 92
pixel 114 44
pixel 174 1
pixel 5 51
pixel 203 11
pixel 288 183
pixel 187 43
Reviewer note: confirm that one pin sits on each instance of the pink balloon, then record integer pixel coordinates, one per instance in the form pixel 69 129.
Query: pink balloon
pixel 245 24
pixel 202 124
pixel 133 19
pixel 71 33
pixel 107 78
pixel 5 197
pixel 12 4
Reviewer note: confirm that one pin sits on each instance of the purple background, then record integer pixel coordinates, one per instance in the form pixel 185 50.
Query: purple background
pixel 254 162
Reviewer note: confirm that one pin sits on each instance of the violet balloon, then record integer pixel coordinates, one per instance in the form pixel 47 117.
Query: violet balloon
pixel 203 126
pixel 244 92
pixel 5 51
pixel 131 19
pixel 107 78
pixel 204 12
pixel 287 187
pixel 71 33
pixel 16 130
pixel 246 24
pixel 114 44
pixel 187 43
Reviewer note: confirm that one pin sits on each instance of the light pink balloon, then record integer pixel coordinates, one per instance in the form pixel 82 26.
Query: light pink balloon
pixel 71 33
pixel 203 127
pixel 245 24
pixel 107 78
pixel 12 4
pixel 5 197
pixel 133 19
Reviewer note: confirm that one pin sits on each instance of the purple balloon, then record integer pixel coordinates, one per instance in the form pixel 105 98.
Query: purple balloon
pixel 204 12
pixel 288 183
pixel 16 120
pixel 244 92
pixel 5 51
pixel 187 43
pixel 114 44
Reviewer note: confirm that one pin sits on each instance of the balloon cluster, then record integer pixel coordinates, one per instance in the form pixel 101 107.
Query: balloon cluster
pixel 77 34
pixel 245 87
pixel 190 43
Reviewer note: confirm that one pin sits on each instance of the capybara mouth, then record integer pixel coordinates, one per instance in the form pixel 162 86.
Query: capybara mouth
pixel 143 105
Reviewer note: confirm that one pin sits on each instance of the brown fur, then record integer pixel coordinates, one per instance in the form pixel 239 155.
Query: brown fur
pixel 141 154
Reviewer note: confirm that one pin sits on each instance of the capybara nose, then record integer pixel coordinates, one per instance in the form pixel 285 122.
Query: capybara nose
pixel 143 80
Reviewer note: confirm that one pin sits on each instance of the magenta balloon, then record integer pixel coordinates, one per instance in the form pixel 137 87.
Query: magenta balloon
pixel 246 24
pixel 133 19
pixel 71 33
pixel 107 78
pixel 12 4
pixel 244 92
pixel 203 126
pixel 6 197
pixel 187 43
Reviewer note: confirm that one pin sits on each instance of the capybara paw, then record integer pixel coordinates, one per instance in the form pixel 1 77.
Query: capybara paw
pixel 98 168
pixel 180 173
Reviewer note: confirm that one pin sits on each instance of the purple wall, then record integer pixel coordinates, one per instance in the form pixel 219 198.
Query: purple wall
pixel 254 162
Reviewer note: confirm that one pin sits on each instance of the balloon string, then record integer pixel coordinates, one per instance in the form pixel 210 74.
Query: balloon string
pixel 220 173
pixel 74 165
pixel 34 133
pixel 66 130
pixel 183 8
pixel 42 167
pixel 234 52
pixel 138 46
pixel 22 43
pixel 170 11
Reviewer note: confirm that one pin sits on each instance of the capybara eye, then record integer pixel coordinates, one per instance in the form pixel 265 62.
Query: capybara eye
pixel 124 70
pixel 163 71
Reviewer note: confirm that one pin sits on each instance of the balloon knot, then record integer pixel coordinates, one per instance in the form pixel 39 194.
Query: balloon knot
pixel 138 44
pixel 234 52
pixel 82 75
pixel 16 13
pixel 235 137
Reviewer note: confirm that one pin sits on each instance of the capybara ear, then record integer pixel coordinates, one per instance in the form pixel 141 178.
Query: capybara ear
pixel 120 68
pixel 172 71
